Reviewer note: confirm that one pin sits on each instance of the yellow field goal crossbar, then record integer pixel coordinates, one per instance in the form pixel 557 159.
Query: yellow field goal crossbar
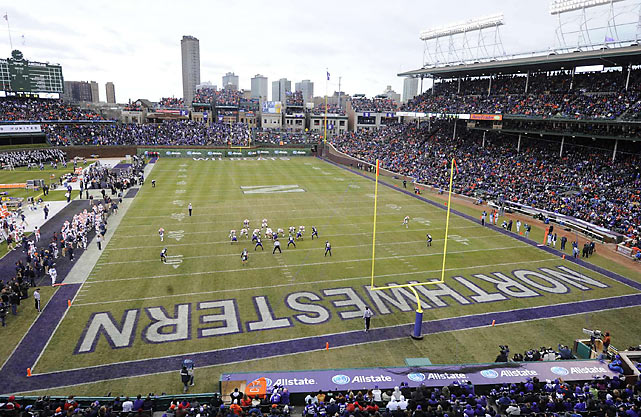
pixel 419 311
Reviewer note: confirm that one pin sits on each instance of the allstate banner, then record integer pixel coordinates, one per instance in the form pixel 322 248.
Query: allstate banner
pixel 431 376
pixel 5 129
pixel 226 153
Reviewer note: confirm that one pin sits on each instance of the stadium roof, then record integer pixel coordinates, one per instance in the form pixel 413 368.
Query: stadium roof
pixel 616 57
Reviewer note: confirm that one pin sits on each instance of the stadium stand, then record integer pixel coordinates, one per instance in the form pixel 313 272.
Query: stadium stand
pixel 585 183
pixel 19 109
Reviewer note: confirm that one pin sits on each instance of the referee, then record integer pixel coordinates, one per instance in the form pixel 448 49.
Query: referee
pixel 367 315
pixel 36 299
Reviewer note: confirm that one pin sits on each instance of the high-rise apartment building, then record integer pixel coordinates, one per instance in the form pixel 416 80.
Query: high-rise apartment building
pixel 410 88
pixel 280 89
pixel 259 87
pixel 190 52
pixel 110 89
pixel 230 81
pixel 307 88
pixel 95 91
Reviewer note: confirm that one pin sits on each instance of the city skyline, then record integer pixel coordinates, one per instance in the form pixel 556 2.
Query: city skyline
pixel 366 46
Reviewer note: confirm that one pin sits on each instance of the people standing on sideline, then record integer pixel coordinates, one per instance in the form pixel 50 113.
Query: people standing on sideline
pixel 518 226
pixel 189 207
pixel 36 299
pixel 483 216
pixel 367 316
pixel 46 211
pixel 53 273
pixel 563 242
pixel 99 241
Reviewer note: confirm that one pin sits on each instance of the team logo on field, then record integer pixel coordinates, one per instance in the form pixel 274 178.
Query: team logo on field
pixel 176 234
pixel 559 370
pixel 271 189
pixel 174 260
pixel 181 183
pixel 178 216
pixel 340 379
pixel 416 377
pixel 489 373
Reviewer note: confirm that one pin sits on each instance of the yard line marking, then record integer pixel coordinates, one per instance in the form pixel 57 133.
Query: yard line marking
pixel 307 283
pixel 307 264
pixel 298 250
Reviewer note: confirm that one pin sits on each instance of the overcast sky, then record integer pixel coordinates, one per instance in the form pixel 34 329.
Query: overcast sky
pixel 136 44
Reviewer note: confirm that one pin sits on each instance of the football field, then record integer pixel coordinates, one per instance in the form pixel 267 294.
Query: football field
pixel 204 299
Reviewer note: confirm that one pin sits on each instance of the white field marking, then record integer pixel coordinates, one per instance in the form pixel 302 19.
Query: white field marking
pixel 176 216
pixel 309 283
pixel 174 260
pixel 182 170
pixel 271 189
pixel 299 205
pixel 220 242
pixel 280 211
pixel 181 355
pixel 181 183
pixel 175 234
pixel 181 176
pixel 306 264
pixel 262 252
pixel 181 191
pixel 354 186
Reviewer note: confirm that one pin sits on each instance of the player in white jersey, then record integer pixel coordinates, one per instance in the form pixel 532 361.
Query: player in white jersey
pixel 255 234
pixel 264 224
pixel 232 236
pixel 244 232
pixel 292 230
pixel 246 223
pixel 280 232
pixel 268 232
pixel 406 221
pixel 161 233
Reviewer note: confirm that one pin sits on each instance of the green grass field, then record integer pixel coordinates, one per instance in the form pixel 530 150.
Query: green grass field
pixel 206 299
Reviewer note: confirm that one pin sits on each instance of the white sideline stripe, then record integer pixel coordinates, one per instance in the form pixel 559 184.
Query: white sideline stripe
pixel 307 264
pixel 308 283
pixel 179 355
pixel 332 225
pixel 168 217
pixel 262 252
pixel 82 288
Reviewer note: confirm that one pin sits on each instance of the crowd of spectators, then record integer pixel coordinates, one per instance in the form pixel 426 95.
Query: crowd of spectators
pixel 287 138
pixel 295 99
pixel 204 95
pixel 13 109
pixel 599 95
pixel 584 183
pixel 171 103
pixel 374 105
pixel 181 133
pixel 33 157
pixel 331 109
pixel 228 97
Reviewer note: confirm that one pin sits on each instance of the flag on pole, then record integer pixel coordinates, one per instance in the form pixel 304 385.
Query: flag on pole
pixel 327 75
pixel 609 39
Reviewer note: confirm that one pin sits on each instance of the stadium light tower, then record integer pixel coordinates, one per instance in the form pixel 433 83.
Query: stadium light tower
pixel 467 41
pixel 596 28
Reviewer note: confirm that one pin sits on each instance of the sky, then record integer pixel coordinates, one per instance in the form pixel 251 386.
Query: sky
pixel 136 44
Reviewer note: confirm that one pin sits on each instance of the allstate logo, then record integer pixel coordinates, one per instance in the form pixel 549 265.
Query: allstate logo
pixel 559 370
pixel 168 153
pixel 188 152
pixel 340 379
pixel 489 373
pixel 416 377
pixel 210 153
pixel 268 382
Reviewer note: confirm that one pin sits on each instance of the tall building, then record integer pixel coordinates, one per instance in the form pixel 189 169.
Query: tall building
pixel 230 81
pixel 95 92
pixel 391 94
pixel 77 91
pixel 190 52
pixel 110 89
pixel 259 87
pixel 280 89
pixel 307 88
pixel 410 88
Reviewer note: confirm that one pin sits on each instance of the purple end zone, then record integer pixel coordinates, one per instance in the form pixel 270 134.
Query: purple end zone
pixel 122 166
pixel 153 160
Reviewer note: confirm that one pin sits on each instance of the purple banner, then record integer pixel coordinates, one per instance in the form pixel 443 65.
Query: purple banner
pixel 433 376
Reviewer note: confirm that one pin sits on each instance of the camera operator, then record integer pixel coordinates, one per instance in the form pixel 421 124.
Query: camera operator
pixel 503 356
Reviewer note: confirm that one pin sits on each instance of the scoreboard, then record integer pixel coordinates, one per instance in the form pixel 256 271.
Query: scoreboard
pixel 21 76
